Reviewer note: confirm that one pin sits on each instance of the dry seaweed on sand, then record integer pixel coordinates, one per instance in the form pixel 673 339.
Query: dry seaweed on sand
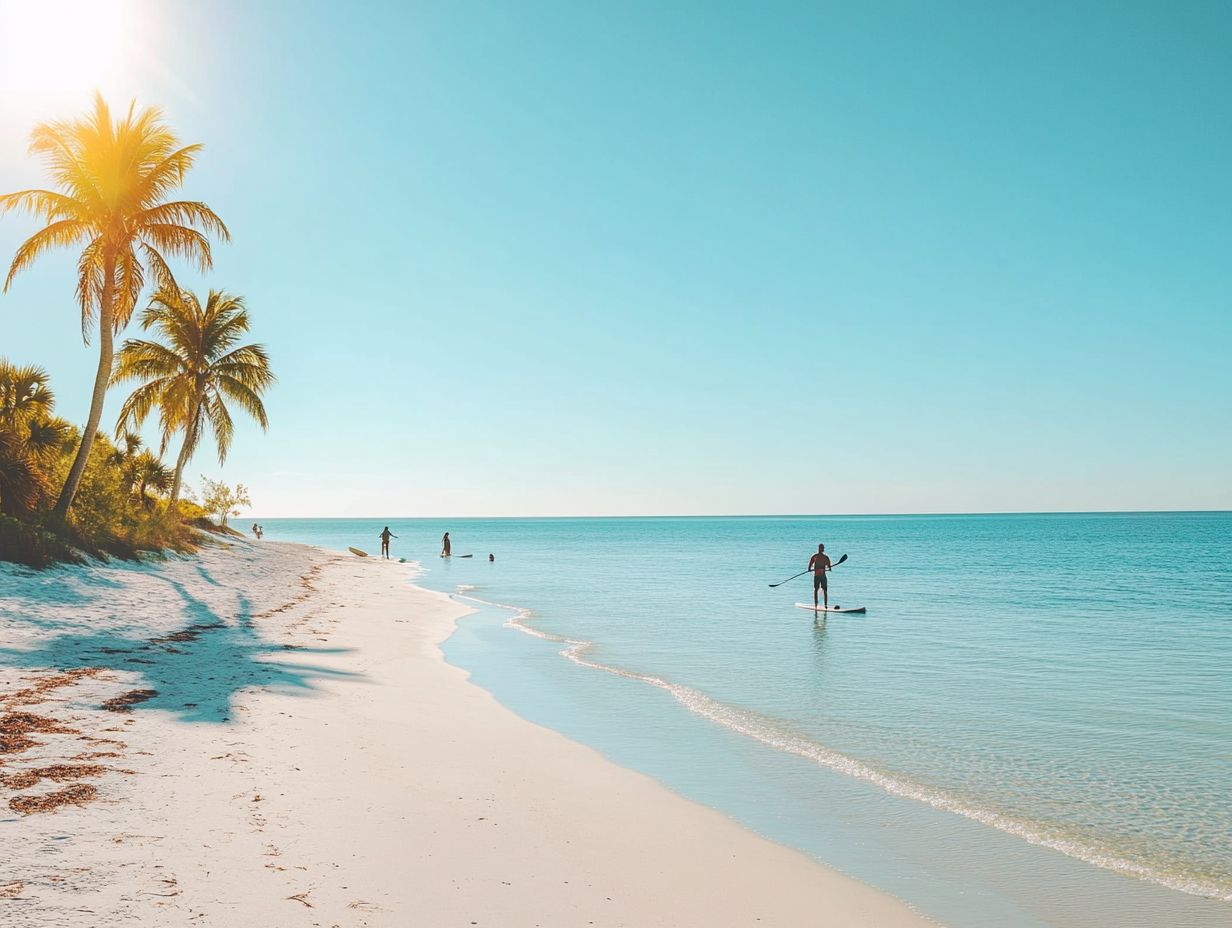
pixel 75 795
pixel 19 723
pixel 15 726
pixel 58 773
pixel 15 744
pixel 44 685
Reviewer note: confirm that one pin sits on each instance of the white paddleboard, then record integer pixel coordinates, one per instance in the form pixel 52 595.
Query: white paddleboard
pixel 357 552
pixel 811 608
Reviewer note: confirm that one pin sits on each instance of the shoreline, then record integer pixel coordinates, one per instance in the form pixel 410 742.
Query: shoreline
pixel 328 766
pixel 745 724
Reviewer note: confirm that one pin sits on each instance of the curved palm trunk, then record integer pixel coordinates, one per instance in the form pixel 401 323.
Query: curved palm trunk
pixel 190 442
pixel 106 352
pixel 180 463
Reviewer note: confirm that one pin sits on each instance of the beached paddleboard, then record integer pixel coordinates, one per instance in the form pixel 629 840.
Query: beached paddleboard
pixel 811 608
pixel 357 552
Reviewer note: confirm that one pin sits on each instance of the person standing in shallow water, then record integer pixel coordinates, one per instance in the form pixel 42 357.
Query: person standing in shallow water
pixel 445 548
pixel 385 536
pixel 819 563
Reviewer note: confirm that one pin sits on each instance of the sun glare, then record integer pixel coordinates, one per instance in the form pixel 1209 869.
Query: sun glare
pixel 55 53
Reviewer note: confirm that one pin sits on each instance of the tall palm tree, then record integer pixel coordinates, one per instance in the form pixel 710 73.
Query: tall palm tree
pixel 29 437
pixel 191 374
pixel 112 181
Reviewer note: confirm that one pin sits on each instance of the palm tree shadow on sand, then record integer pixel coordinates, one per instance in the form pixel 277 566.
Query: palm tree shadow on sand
pixel 196 672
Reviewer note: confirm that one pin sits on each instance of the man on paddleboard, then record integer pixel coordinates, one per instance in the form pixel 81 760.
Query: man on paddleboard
pixel 819 563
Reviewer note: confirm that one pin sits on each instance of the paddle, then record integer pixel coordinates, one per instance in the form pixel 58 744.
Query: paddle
pixel 803 572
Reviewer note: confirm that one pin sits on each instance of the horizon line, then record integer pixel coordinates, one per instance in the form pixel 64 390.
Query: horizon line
pixel 789 515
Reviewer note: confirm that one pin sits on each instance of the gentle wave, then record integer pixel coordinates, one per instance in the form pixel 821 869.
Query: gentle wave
pixel 764 730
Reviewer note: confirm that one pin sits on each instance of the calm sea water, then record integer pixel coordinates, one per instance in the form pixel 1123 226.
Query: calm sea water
pixel 1032 724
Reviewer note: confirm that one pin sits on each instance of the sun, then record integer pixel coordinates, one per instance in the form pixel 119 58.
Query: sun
pixel 55 53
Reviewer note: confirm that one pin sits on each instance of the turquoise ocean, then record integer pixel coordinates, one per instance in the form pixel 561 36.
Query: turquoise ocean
pixel 1031 725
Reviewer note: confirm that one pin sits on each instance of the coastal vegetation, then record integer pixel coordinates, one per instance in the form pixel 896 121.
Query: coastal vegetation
pixel 223 501
pixel 120 507
pixel 67 490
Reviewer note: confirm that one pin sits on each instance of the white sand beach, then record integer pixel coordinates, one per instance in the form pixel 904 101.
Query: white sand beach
pixel 268 735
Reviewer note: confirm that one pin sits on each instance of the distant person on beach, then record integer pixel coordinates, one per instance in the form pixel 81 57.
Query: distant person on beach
pixel 819 563
pixel 445 549
pixel 256 530
pixel 385 536
pixel 260 532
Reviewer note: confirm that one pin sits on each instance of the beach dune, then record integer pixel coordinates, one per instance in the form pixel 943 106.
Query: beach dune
pixel 271 737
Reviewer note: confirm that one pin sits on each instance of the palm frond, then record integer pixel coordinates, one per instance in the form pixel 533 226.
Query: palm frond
pixel 90 283
pixel 184 213
pixel 139 404
pixel 130 278
pixel 247 398
pixel 167 173
pixel 24 394
pixel 163 278
pixel 179 241
pixel 58 234
pixel 46 437
pixel 46 204
pixel 139 359
pixel 221 424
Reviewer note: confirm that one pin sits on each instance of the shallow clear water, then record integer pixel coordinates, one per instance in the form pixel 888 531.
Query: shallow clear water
pixel 1032 723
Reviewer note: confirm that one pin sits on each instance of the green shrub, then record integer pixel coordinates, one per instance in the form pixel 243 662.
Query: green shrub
pixel 32 545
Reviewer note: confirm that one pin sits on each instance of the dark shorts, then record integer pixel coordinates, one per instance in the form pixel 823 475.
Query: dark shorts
pixel 819 581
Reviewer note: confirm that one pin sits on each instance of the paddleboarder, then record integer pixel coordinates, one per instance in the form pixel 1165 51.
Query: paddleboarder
pixel 385 536
pixel 819 563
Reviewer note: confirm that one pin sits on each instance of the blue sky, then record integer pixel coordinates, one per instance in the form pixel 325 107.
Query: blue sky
pixel 554 258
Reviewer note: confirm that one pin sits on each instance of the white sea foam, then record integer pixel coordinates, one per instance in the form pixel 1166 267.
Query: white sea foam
pixel 770 733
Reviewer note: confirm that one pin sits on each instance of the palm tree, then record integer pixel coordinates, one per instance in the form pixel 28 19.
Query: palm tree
pixel 29 437
pixel 149 473
pixel 190 377
pixel 142 469
pixel 112 181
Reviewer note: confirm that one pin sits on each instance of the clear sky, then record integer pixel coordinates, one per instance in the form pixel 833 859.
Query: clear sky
pixel 520 258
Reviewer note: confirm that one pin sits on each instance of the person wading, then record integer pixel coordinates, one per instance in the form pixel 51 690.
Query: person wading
pixel 385 536
pixel 819 563
pixel 445 550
